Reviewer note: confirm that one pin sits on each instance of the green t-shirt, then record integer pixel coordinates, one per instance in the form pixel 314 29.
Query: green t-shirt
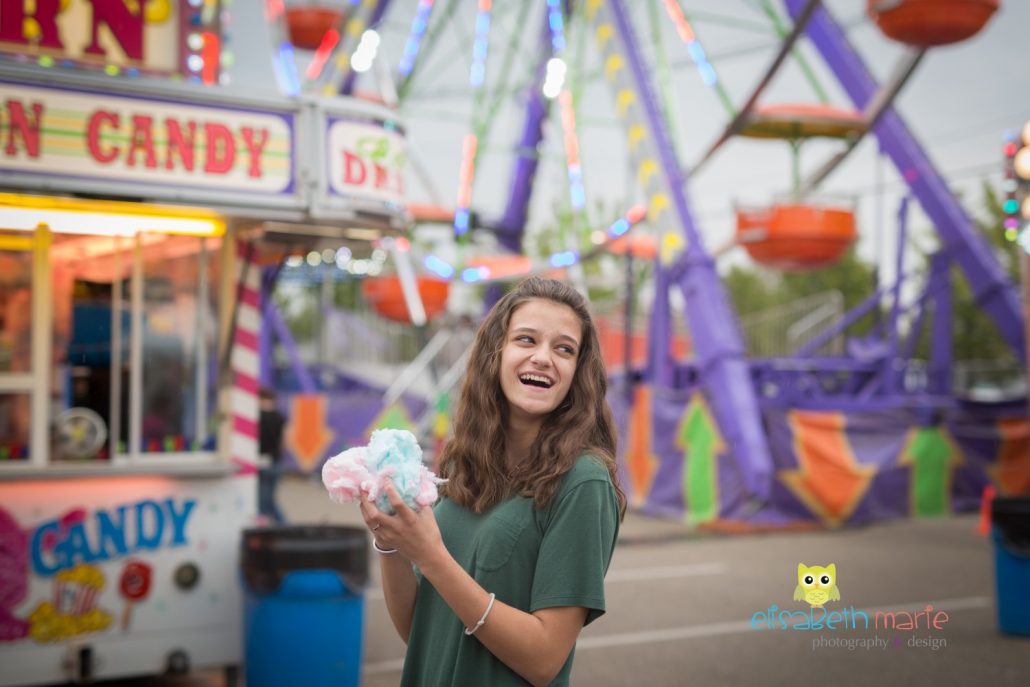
pixel 531 559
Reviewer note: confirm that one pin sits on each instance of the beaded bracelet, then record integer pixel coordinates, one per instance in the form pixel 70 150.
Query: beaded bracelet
pixel 375 545
pixel 482 621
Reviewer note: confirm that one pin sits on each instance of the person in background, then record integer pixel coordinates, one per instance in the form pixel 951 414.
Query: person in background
pixel 493 585
pixel 270 441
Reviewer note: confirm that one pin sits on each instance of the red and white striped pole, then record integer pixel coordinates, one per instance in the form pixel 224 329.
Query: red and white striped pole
pixel 244 362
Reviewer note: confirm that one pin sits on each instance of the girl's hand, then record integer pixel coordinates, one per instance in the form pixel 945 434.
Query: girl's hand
pixel 414 534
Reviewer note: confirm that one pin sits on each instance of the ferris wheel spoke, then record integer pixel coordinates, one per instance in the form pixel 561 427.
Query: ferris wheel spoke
pixel 878 104
pixel 738 122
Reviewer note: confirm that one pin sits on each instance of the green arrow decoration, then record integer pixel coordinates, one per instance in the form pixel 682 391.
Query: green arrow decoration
pixel 702 443
pixel 932 455
pixel 393 417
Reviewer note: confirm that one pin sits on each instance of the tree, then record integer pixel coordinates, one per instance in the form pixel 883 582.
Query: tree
pixel 751 290
pixel 754 290
pixel 975 336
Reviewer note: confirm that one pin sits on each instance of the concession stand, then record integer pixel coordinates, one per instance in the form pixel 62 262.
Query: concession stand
pixel 137 217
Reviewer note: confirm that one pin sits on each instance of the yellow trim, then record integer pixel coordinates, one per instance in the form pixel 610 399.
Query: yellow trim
pixel 105 217
pixel 9 242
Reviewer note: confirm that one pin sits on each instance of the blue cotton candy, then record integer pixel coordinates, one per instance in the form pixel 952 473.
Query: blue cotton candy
pixel 395 454
pixel 392 454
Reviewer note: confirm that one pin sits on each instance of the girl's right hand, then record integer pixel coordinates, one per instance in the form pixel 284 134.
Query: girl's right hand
pixel 414 534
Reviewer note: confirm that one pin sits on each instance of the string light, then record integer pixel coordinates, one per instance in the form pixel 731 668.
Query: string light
pixel 1011 205
pixel 322 54
pixel 286 67
pixel 480 44
pixel 438 267
pixel 561 259
pixel 209 58
pixel 554 77
pixel 418 29
pixel 568 120
pixel 565 258
pixel 339 57
pixel 365 53
pixel 556 23
pixel 465 176
pixel 203 47
pixel 477 74
pixel 694 49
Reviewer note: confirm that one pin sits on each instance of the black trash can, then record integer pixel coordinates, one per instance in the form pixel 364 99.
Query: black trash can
pixel 304 605
pixel 1010 520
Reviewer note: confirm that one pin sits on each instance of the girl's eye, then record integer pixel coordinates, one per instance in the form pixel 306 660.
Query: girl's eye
pixel 568 350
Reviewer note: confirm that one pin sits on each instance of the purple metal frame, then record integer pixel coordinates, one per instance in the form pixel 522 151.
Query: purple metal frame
pixel 939 290
pixel 512 224
pixel 890 360
pixel 991 289
pixel 736 388
pixel 723 370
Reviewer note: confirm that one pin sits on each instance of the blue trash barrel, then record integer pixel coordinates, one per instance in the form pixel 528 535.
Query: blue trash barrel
pixel 304 605
pixel 1010 519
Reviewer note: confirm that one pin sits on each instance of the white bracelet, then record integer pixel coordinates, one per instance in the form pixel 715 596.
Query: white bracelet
pixel 375 545
pixel 482 621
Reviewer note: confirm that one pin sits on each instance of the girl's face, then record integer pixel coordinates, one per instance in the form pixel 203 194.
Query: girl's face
pixel 538 359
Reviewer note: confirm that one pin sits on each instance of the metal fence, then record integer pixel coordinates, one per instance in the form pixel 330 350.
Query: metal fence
pixel 363 344
pixel 780 331
pixel 989 380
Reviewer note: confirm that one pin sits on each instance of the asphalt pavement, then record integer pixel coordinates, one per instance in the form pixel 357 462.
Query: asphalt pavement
pixel 685 607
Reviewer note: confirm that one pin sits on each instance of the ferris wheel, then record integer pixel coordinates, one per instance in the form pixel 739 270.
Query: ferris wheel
pixel 473 72
pixel 506 88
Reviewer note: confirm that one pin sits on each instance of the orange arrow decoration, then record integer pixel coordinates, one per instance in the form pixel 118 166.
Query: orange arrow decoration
pixel 829 481
pixel 307 435
pixel 1012 470
pixel 641 462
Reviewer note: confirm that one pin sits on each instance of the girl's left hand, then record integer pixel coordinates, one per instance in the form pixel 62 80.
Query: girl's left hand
pixel 414 534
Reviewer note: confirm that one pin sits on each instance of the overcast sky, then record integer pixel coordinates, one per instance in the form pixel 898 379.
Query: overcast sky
pixel 959 104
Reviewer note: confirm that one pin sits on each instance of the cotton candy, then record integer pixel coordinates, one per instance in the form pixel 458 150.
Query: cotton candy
pixel 392 454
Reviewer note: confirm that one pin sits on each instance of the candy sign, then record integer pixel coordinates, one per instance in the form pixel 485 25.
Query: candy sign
pixel 366 161
pixel 70 133
pixel 146 525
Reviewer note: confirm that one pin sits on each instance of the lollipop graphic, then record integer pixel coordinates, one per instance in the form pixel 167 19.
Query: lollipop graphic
pixel 134 586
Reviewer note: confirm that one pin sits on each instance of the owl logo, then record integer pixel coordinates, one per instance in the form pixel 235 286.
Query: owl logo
pixel 817 585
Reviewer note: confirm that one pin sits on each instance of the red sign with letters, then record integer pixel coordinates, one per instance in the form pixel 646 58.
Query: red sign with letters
pixel 118 36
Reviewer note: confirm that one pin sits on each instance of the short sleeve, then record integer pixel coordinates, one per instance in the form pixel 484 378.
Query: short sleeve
pixel 576 549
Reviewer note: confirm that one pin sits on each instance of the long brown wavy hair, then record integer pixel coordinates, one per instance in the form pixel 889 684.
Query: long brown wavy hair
pixel 473 461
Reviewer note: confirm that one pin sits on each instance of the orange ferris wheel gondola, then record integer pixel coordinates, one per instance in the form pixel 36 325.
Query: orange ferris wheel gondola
pixel 925 23
pixel 386 296
pixel 506 266
pixel 798 121
pixel 308 24
pixel 638 245
pixel 794 236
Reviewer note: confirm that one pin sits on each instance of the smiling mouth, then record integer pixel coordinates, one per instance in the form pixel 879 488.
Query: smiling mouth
pixel 538 381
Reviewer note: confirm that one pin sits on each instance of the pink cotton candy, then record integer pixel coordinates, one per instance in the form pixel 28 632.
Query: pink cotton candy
pixel 345 475
pixel 391 454
pixel 427 493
